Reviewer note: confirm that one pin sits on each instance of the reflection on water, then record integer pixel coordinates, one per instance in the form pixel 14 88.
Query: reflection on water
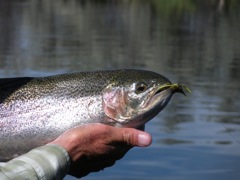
pixel 192 42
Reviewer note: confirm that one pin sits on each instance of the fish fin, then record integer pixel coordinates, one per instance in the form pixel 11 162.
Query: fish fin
pixel 9 85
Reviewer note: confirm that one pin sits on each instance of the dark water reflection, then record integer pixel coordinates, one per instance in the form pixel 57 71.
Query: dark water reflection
pixel 193 42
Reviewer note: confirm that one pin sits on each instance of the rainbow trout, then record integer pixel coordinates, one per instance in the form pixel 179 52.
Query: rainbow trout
pixel 34 111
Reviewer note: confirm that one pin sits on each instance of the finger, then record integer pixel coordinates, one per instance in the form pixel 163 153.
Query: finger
pixel 133 137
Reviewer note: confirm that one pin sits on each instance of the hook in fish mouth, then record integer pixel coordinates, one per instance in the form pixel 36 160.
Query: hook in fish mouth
pixel 176 88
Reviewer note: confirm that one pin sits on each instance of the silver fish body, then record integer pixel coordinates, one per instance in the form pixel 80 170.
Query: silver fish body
pixel 34 111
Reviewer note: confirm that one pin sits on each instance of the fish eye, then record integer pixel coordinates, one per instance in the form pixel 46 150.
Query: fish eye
pixel 141 87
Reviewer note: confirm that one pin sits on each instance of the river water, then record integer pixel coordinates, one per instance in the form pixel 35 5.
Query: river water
pixel 193 42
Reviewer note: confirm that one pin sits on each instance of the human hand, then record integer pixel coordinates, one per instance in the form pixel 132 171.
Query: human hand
pixel 96 146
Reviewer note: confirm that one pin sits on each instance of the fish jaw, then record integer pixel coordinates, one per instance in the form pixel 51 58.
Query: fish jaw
pixel 155 105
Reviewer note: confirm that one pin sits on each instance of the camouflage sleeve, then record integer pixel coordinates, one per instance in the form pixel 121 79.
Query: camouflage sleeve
pixel 45 162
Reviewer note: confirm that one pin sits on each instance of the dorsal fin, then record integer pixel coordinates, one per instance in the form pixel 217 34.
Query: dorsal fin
pixel 9 85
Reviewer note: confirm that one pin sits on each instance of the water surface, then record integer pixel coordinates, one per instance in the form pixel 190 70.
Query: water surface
pixel 193 42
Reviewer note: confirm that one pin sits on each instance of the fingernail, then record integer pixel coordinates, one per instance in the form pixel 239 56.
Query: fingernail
pixel 144 139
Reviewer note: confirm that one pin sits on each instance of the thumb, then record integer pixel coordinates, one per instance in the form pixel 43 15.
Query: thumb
pixel 134 137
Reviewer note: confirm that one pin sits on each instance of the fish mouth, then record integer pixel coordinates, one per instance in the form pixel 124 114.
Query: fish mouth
pixel 175 88
pixel 163 94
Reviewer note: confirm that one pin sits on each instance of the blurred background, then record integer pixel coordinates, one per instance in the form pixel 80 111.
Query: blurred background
pixel 195 42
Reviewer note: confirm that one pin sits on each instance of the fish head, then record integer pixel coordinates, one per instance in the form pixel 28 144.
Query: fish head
pixel 137 98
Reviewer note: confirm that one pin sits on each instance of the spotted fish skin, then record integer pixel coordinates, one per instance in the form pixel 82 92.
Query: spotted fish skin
pixel 34 111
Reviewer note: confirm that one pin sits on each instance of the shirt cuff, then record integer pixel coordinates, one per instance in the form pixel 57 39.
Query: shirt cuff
pixel 48 162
